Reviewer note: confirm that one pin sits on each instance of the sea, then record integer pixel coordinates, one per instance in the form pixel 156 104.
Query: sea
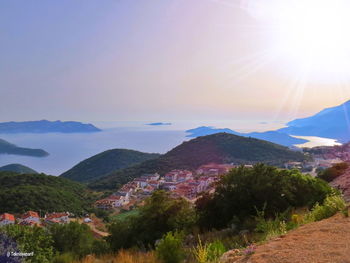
pixel 67 150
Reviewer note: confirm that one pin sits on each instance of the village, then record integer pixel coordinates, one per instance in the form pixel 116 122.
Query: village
pixel 180 183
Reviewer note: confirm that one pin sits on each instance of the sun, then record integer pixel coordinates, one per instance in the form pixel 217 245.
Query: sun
pixel 308 35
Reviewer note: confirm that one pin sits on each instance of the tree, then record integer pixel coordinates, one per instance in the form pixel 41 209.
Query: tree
pixel 72 238
pixel 169 249
pixel 159 215
pixel 31 239
pixel 245 190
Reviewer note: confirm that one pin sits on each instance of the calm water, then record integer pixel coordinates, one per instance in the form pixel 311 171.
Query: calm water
pixel 66 150
pixel 314 141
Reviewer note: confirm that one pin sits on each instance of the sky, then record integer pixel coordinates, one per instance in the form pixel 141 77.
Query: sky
pixel 165 60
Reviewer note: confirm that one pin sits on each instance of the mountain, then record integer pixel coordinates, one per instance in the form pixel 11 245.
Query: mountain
pixel 271 136
pixel 331 122
pixel 45 126
pixel 39 192
pixel 106 162
pixel 217 148
pixel 9 148
pixel 18 168
pixel 159 123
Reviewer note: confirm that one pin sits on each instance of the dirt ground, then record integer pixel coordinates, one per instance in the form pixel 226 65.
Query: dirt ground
pixel 326 241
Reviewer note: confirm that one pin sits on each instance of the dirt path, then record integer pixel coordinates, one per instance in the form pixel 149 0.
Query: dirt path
pixel 326 241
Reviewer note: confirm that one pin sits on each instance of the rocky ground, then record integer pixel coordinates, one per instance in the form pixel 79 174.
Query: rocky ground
pixel 326 241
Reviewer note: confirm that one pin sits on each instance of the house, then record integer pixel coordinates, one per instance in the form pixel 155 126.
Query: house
pixel 214 169
pixel 141 182
pixel 178 176
pixel 104 204
pixel 170 186
pixel 151 177
pixel 30 218
pixel 7 219
pixel 59 218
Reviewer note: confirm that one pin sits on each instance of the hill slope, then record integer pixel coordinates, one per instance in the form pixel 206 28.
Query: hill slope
pixel 9 148
pixel 106 162
pixel 271 136
pixel 218 148
pixel 326 241
pixel 22 192
pixel 18 168
pixel 330 123
pixel 45 126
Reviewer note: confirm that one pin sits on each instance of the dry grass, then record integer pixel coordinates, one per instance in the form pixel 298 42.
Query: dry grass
pixel 326 241
pixel 123 256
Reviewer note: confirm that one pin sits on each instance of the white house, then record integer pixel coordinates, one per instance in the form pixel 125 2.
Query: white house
pixel 7 219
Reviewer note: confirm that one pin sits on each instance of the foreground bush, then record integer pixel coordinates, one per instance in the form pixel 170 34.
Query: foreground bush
pixel 331 205
pixel 245 190
pixel 170 249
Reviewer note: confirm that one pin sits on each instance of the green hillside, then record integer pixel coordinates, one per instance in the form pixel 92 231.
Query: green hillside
pixel 218 148
pixel 106 162
pixel 23 192
pixel 18 168
pixel 9 148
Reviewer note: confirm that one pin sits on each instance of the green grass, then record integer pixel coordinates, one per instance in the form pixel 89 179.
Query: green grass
pixel 124 215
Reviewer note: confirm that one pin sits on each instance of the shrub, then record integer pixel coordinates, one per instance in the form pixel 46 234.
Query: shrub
pixel 243 189
pixel 330 207
pixel 169 249
pixel 270 227
pixel 201 252
pixel 333 172
pixel 215 251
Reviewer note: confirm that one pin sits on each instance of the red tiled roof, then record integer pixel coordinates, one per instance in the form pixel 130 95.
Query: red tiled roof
pixel 30 213
pixel 55 215
pixel 7 216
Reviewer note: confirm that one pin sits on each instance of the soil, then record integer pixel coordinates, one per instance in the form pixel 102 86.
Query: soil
pixel 326 241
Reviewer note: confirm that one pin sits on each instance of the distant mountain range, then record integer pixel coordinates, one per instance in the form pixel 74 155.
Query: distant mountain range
pixel 271 136
pixel 18 168
pixel 159 124
pixel 9 148
pixel 217 148
pixel 106 162
pixel 331 122
pixel 45 126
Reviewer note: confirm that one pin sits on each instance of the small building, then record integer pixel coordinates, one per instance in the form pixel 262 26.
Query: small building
pixel 7 219
pixel 214 169
pixel 30 218
pixel 59 218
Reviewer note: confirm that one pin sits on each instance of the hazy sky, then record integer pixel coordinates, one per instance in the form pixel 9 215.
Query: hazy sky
pixel 149 60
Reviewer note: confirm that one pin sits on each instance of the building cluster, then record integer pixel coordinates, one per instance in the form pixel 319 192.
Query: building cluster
pixel 32 218
pixel 181 183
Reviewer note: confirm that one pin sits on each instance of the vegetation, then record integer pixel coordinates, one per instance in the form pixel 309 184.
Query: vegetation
pixel 170 248
pixel 9 148
pixel 333 172
pixel 245 190
pixel 159 215
pixel 28 239
pixel 18 168
pixel 42 193
pixel 218 148
pixel 106 162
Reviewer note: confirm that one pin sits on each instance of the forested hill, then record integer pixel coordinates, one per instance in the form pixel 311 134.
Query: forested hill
pixel 23 192
pixel 18 168
pixel 9 148
pixel 106 162
pixel 218 148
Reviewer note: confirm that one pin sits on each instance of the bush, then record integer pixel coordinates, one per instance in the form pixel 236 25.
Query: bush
pixel 169 249
pixel 270 227
pixel 331 205
pixel 333 172
pixel 243 190
pixel 215 251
